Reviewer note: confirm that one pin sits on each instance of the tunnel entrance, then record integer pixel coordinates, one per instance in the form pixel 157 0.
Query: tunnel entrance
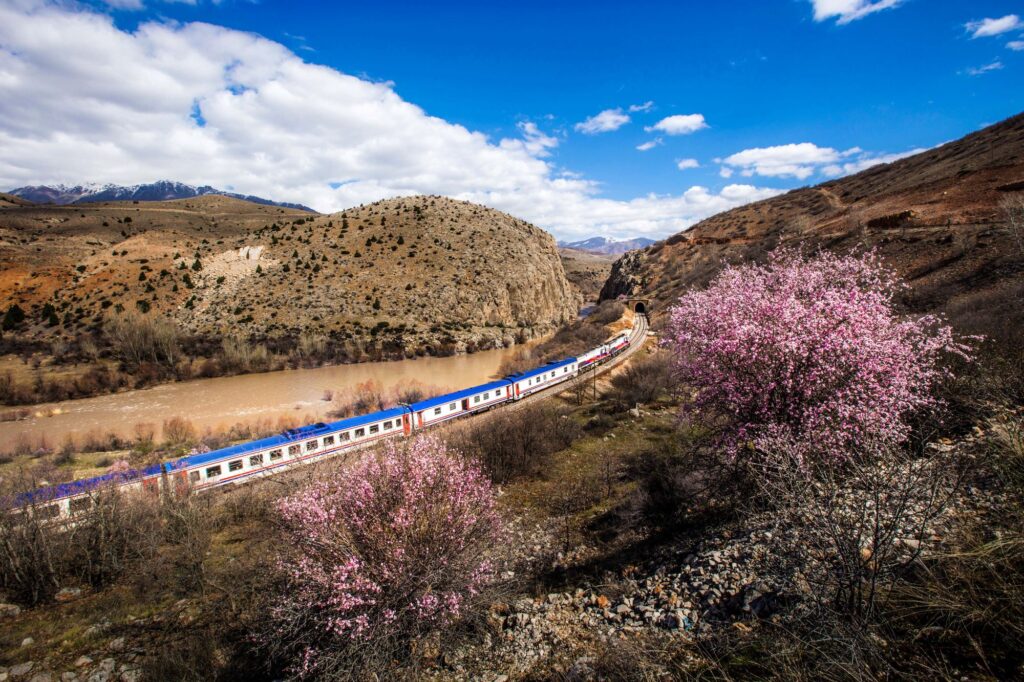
pixel 640 308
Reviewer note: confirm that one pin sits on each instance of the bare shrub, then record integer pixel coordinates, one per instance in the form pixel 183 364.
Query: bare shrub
pixel 39 551
pixel 141 339
pixel 179 431
pixel 607 312
pixel 188 532
pixel 118 533
pixel 857 526
pixel 238 355
pixel 643 380
pixel 517 442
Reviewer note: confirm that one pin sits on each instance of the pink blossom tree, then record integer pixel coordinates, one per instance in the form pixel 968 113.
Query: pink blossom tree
pixel 380 554
pixel 807 354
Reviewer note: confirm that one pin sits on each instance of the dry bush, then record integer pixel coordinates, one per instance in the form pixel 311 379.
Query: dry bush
pixel 516 442
pixel 607 312
pixel 187 531
pixel 120 532
pixel 178 431
pixel 38 555
pixel 238 355
pixel 643 380
pixel 857 526
pixel 140 340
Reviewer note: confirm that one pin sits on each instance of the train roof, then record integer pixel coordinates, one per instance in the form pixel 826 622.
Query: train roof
pixel 285 437
pixel 83 485
pixel 457 395
pixel 554 364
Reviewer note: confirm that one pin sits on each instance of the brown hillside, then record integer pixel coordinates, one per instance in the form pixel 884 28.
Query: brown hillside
pixel 587 271
pixel 421 274
pixel 936 217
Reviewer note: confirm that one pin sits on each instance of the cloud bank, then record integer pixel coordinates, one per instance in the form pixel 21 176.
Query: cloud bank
pixel 846 11
pixel 82 100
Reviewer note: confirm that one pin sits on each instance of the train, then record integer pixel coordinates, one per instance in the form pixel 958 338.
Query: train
pixel 236 464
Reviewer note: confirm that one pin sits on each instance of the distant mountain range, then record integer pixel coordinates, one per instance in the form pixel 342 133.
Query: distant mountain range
pixel 162 190
pixel 607 246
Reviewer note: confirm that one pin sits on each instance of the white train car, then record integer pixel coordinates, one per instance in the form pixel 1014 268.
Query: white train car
pixel 533 380
pixel 440 409
pixel 293 447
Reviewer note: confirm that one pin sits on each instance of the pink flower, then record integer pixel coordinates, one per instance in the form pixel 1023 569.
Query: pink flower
pixel 807 352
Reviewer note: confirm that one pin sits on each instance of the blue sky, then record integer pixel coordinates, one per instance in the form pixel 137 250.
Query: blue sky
pixel 791 92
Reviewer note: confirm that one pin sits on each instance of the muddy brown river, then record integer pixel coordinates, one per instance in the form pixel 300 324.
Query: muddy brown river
pixel 224 401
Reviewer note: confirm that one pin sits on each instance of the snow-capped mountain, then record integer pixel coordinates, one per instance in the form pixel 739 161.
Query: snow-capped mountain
pixel 161 190
pixel 607 246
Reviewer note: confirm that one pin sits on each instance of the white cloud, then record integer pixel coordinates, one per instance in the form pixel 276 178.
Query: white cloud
pixel 535 142
pixel 604 122
pixel 124 4
pixel 684 164
pixel 787 160
pixel 993 27
pixel 650 144
pixel 865 161
pixel 646 106
pixel 1016 45
pixel 82 100
pixel 849 10
pixel 981 70
pixel 680 124
pixel 804 160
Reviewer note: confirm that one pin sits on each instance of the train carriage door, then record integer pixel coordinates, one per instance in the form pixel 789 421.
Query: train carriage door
pixel 419 420
pixel 465 404
pixel 406 423
pixel 181 486
pixel 517 389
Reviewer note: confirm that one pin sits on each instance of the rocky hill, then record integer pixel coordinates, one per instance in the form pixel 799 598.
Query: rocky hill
pixel 938 217
pixel 162 190
pixel 402 276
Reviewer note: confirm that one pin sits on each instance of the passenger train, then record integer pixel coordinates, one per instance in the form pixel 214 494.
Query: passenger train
pixel 306 444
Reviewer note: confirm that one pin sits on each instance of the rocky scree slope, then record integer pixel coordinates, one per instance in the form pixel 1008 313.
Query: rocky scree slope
pixel 410 275
pixel 935 217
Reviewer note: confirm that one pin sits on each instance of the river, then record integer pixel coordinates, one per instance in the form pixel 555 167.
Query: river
pixel 221 402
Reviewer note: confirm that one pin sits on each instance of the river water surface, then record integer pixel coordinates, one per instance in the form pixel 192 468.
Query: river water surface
pixel 223 401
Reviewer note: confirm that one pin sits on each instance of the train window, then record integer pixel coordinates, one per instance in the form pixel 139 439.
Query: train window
pixel 451 406
pixel 193 477
pixel 343 436
pixel 212 472
pixel 312 445
pixel 294 449
pixel 48 512
pixel 255 460
pixel 275 454
pixel 360 433
pixel 487 396
pixel 80 504
pixel 387 425
pixel 235 465
pixel 437 410
pixel 476 399
pixel 328 440
pixel 375 428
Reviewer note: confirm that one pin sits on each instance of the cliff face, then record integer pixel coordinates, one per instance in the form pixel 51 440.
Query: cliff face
pixel 417 274
pixel 938 218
